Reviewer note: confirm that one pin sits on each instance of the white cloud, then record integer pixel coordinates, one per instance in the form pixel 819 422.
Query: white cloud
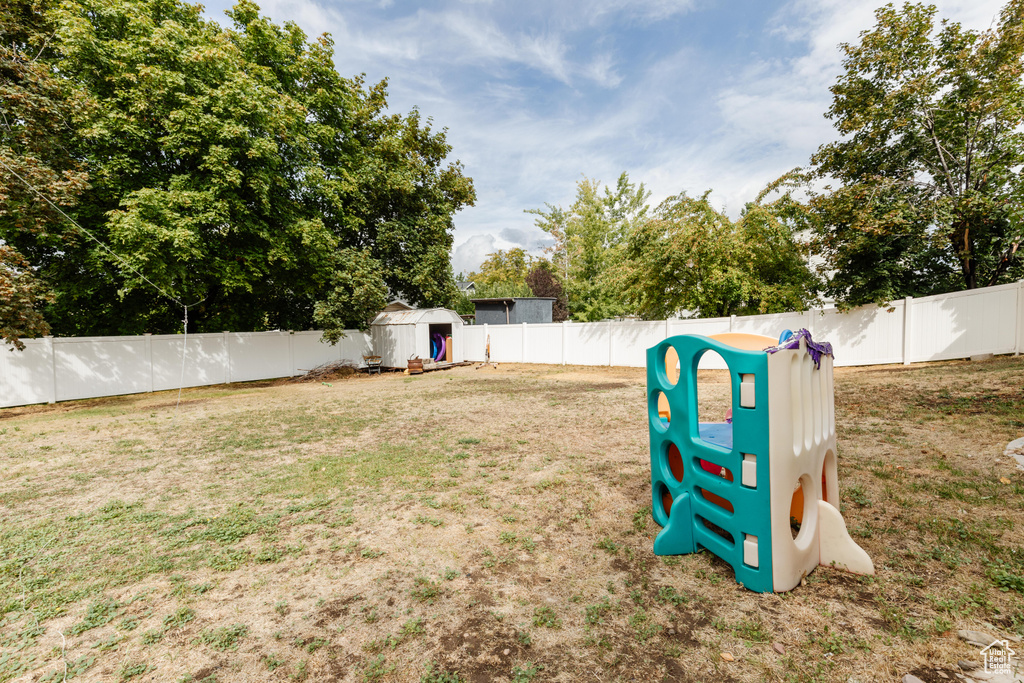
pixel 537 94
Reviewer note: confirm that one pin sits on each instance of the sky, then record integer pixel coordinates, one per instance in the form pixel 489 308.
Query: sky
pixel 683 95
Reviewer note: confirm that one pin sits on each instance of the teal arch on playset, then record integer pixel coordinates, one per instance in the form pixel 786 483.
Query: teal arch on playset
pixel 733 489
pixel 685 531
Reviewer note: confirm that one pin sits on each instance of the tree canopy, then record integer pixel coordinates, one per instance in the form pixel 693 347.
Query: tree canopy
pixel 589 241
pixel 233 167
pixel 690 256
pixel 927 173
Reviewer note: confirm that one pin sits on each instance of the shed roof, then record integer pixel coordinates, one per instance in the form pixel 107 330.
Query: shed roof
pixel 511 299
pixel 417 315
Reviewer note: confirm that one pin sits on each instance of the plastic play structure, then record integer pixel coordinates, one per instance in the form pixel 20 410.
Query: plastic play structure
pixel 759 490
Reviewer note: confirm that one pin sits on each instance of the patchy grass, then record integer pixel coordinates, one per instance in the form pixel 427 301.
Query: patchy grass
pixel 306 532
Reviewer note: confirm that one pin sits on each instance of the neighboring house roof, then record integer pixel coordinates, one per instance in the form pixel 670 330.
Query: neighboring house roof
pixel 397 305
pixel 465 285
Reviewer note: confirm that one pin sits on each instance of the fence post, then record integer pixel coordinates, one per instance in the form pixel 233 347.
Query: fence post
pixel 732 323
pixel 52 398
pixel 565 327
pixel 611 345
pixel 908 328
pixel 483 352
pixel 1020 318
pixel 668 328
pixel 524 343
pixel 149 357
pixel 291 353
pixel 227 359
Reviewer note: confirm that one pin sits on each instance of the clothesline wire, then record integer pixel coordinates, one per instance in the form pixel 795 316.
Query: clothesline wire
pixel 95 239
pixel 69 219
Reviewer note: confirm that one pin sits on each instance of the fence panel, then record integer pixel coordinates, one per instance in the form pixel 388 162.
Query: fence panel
pixel 206 360
pixel 258 355
pixel 544 343
pixel 630 341
pixel 963 324
pixel 87 367
pixel 26 377
pixel 869 335
pixel 704 326
pixel 587 343
pixel 308 351
pixel 506 343
pixel 474 342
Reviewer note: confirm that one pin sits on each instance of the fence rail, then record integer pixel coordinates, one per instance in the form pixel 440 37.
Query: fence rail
pixel 941 327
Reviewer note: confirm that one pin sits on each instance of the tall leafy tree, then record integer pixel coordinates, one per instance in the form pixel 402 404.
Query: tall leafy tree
pixel 543 282
pixel 234 167
pixel 589 241
pixel 504 267
pixel 690 256
pixel 40 115
pixel 927 173
pixel 21 297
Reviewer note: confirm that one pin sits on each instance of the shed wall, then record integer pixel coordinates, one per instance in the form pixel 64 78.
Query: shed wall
pixel 531 311
pixel 492 314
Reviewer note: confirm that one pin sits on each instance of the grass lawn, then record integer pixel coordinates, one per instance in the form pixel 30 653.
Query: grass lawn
pixel 484 525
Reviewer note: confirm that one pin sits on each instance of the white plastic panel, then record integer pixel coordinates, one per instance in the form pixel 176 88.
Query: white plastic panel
pixel 747 399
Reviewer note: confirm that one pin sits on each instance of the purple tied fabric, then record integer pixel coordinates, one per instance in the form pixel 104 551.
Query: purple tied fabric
pixel 815 349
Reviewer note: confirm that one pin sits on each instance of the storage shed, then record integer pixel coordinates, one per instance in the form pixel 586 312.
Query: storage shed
pixel 400 335
pixel 513 310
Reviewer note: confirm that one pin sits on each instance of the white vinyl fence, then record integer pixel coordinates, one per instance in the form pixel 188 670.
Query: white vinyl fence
pixel 942 327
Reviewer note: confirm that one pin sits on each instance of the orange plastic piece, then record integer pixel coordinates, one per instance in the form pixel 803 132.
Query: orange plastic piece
pixel 744 341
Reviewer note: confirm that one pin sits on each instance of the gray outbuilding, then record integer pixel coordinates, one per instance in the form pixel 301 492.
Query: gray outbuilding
pixel 401 335
pixel 512 310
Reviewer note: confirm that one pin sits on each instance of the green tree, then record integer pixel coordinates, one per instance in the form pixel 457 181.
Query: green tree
pixel 21 296
pixel 929 186
pixel 690 256
pixel 589 243
pixel 39 118
pixel 543 282
pixel 235 167
pixel 504 267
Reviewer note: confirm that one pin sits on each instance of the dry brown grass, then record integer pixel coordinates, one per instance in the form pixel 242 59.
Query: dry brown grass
pixel 492 524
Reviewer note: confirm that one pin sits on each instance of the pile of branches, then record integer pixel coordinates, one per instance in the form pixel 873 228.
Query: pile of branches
pixel 332 370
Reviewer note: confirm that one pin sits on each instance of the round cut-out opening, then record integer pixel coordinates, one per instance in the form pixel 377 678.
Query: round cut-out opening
pixel 675 461
pixel 799 507
pixel 666 502
pixel 670 362
pixel 661 412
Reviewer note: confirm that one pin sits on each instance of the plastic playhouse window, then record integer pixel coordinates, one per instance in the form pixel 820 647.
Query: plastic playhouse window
pixel 715 499
pixel 666 500
pixel 661 413
pixel 674 461
pixel 828 489
pixel 799 507
pixel 714 400
pixel 711 526
pixel 670 363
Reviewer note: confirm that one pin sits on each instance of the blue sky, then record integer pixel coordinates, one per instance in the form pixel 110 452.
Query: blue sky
pixel 681 94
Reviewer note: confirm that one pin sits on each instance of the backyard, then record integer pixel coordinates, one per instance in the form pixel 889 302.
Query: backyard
pixel 484 525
